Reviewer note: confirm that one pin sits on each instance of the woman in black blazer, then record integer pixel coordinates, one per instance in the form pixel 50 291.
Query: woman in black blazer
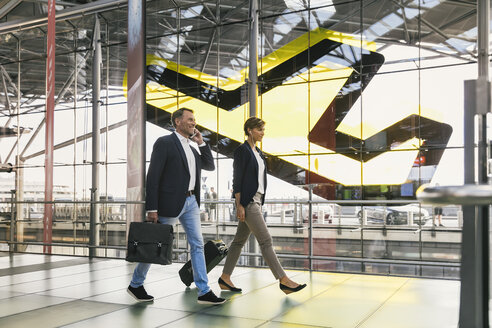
pixel 249 186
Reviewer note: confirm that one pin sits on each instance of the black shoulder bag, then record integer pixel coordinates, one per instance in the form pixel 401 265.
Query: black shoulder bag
pixel 150 243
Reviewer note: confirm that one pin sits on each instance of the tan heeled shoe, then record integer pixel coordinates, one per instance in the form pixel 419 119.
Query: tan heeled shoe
pixel 225 286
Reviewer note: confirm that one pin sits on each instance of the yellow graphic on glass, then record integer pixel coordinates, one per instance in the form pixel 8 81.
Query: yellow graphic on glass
pixel 290 111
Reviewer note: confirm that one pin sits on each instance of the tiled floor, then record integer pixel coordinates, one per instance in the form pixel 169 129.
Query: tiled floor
pixel 52 291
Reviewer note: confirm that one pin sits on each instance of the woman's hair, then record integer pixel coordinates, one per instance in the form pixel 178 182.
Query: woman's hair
pixel 253 122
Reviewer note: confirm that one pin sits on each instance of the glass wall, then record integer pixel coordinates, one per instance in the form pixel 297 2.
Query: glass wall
pixel 363 103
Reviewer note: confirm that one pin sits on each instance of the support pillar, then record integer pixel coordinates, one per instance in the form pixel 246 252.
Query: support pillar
pixel 253 58
pixel 136 110
pixel 22 210
pixel 96 138
pixel 50 118
pixel 474 298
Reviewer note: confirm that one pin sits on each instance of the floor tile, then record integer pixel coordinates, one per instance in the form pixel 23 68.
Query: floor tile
pixel 13 305
pixel 346 304
pixel 200 320
pixel 58 315
pixel 59 272
pixel 52 286
pixel 9 294
pixel 185 299
pixel 90 288
pixel 267 301
pixel 159 286
pixel 273 324
pixel 135 316
pixel 18 260
pixel 436 302
pixel 93 294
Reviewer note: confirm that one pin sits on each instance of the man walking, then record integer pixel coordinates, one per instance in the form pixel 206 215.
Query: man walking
pixel 173 192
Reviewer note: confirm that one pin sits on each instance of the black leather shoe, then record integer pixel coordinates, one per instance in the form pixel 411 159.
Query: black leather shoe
pixel 225 286
pixel 287 290
pixel 210 298
pixel 140 294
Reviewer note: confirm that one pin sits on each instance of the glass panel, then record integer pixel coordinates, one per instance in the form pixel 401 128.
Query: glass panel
pixel 442 97
pixel 348 108
pixel 160 21
pixel 232 11
pixel 8 51
pixel 276 7
pixel 114 26
pixel 448 33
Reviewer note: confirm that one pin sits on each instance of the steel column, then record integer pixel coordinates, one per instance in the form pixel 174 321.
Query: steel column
pixel 96 137
pixel 19 163
pixel 50 118
pixel 13 224
pixel 136 108
pixel 474 298
pixel 253 57
pixel 19 187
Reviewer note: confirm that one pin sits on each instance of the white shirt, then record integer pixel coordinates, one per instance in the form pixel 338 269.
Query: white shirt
pixel 190 158
pixel 261 172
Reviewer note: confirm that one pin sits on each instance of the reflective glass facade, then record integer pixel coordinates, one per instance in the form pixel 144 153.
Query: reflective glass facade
pixel 363 103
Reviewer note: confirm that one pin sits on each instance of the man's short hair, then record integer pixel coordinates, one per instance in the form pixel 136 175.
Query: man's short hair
pixel 177 114
pixel 253 122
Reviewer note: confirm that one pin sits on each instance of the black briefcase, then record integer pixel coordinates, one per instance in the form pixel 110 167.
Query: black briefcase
pixel 215 251
pixel 150 243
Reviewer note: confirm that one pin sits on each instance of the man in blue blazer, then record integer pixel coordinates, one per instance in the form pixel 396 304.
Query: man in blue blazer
pixel 173 192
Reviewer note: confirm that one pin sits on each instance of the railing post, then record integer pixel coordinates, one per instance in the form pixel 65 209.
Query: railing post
pixel 310 222
pixel 12 220
pixel 459 214
pixel 217 209
pixel 94 224
pixel 363 224
pixel 295 218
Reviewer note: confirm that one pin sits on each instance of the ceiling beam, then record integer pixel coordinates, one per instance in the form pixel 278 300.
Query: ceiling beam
pixel 62 15
pixel 7 6
pixel 78 139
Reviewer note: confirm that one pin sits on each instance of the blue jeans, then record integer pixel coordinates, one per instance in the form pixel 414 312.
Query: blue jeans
pixel 190 220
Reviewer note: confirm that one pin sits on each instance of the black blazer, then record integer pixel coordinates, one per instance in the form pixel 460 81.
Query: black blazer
pixel 168 176
pixel 245 178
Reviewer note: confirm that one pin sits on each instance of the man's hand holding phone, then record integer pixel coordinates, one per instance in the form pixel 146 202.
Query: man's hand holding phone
pixel 197 137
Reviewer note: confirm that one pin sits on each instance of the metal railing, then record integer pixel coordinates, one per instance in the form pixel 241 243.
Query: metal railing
pixel 350 225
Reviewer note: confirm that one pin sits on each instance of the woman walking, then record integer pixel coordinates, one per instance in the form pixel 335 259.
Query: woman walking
pixel 249 186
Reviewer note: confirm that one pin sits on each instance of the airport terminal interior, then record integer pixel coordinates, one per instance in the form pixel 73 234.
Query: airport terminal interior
pixel 377 145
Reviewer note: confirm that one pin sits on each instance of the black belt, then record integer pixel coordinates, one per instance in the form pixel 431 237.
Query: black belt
pixel 190 192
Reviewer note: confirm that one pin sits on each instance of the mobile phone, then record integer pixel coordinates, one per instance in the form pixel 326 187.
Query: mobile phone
pixel 194 134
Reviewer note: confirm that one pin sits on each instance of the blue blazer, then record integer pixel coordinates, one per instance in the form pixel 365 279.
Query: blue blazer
pixel 168 176
pixel 245 177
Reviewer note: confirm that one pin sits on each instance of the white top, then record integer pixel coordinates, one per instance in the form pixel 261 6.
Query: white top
pixel 261 172
pixel 190 158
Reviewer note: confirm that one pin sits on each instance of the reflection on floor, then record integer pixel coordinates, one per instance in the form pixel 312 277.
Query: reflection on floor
pixel 53 291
